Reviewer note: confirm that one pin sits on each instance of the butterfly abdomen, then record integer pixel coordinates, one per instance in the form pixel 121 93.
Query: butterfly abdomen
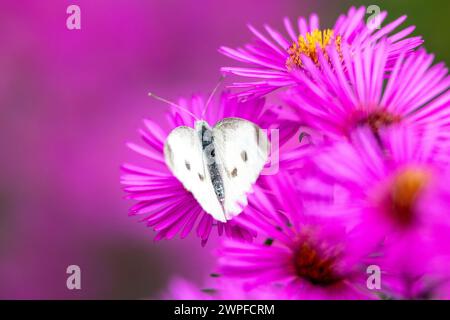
pixel 209 151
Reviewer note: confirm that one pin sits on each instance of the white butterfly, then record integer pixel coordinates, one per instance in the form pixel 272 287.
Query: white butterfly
pixel 218 165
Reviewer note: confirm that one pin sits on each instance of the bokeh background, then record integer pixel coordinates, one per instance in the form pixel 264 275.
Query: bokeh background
pixel 70 99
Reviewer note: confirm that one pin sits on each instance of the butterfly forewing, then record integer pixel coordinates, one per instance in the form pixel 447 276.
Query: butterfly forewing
pixel 219 172
pixel 242 150
pixel 184 156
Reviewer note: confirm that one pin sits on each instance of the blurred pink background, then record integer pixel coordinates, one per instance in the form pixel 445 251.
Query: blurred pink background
pixel 69 101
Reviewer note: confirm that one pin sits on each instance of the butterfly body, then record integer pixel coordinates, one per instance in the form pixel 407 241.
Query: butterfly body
pixel 209 152
pixel 218 165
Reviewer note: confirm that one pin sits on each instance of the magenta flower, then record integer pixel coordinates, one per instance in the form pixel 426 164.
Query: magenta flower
pixel 277 61
pixel 397 195
pixel 359 88
pixel 309 257
pixel 168 207
pixel 218 288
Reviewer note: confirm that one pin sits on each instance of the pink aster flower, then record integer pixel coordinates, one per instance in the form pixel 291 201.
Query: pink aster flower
pixel 277 60
pixel 167 206
pixel 359 88
pixel 217 288
pixel 397 195
pixel 309 257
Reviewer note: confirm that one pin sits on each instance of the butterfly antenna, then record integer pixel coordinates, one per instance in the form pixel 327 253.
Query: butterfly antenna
pixel 222 78
pixel 172 104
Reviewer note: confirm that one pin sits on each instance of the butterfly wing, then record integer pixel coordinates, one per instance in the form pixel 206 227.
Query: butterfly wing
pixel 184 156
pixel 242 150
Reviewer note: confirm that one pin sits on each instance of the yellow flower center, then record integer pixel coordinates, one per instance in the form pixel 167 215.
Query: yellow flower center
pixel 404 192
pixel 310 45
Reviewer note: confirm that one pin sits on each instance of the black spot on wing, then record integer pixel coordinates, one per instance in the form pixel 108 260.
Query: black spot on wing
pixel 201 177
pixel 256 134
pixel 188 165
pixel 244 156
pixel 234 172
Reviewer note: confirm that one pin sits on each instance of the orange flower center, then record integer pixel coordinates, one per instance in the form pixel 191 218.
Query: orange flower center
pixel 310 45
pixel 404 192
pixel 378 119
pixel 314 266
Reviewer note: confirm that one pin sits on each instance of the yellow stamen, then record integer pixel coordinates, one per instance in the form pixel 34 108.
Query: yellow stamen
pixel 405 190
pixel 309 46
